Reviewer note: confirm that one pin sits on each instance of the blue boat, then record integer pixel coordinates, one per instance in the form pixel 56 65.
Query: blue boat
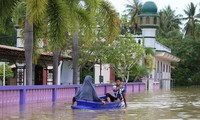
pixel 90 105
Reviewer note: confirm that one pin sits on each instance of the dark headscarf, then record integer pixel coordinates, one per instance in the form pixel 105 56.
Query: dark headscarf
pixel 87 91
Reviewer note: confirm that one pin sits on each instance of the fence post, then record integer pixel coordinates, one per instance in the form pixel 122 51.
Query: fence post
pixel 139 87
pixel 76 90
pixel 133 88
pixel 22 99
pixel 54 95
pixel 126 87
pixel 105 89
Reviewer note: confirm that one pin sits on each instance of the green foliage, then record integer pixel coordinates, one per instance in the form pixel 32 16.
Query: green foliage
pixel 137 72
pixel 133 9
pixel 186 72
pixel 8 71
pixel 124 53
pixel 86 70
pixel 6 39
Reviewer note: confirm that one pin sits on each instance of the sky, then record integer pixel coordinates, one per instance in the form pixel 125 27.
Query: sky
pixel 177 5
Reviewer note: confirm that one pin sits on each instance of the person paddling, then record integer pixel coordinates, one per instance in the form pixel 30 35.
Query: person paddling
pixel 119 93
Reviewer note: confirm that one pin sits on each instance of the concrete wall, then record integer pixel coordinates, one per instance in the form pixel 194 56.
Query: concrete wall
pixel 105 73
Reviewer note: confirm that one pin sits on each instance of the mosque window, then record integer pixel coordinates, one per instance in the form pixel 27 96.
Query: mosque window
pixel 163 67
pixel 155 20
pixel 167 68
pixel 147 20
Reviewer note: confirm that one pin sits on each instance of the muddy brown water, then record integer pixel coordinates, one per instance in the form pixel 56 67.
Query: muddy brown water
pixel 174 104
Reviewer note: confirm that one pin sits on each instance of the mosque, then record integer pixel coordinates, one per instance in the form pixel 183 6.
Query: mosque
pixel 148 22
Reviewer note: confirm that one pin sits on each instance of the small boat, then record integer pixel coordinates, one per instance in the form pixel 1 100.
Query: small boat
pixel 90 105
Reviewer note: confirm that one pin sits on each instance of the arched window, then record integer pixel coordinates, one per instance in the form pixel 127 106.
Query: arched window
pixel 147 20
pixel 155 20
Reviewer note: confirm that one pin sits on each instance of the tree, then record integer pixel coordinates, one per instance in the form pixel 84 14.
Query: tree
pixel 80 17
pixel 8 71
pixel 34 11
pixel 191 18
pixel 133 9
pixel 169 22
pixel 124 53
pixel 107 20
pixel 186 72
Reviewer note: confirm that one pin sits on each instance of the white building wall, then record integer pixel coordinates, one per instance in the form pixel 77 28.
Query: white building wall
pixel 105 73
pixel 150 32
pixel 163 73
pixel 149 42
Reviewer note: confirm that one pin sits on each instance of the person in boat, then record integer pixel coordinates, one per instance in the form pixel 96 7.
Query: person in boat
pixel 119 93
pixel 87 92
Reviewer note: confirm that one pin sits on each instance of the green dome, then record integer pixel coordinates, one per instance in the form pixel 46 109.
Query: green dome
pixel 149 7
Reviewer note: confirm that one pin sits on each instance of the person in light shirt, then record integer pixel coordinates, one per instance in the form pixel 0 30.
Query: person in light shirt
pixel 119 93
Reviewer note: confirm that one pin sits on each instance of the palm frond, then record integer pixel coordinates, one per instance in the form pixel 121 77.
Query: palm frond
pixel 6 10
pixel 7 7
pixel 36 10
pixel 57 20
pixel 19 14
pixel 92 5
pixel 111 19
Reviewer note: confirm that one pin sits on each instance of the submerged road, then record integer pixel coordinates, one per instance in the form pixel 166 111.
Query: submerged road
pixel 176 104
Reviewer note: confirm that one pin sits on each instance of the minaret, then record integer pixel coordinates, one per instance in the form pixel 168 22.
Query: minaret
pixel 148 21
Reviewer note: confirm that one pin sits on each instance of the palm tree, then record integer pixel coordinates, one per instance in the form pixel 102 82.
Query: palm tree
pixel 108 15
pixel 57 13
pixel 134 9
pixel 169 22
pixel 36 12
pixel 191 18
pixel 33 13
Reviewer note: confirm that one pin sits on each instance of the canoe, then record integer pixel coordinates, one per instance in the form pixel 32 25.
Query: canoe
pixel 90 105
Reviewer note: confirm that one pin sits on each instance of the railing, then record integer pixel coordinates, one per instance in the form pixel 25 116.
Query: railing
pixel 10 95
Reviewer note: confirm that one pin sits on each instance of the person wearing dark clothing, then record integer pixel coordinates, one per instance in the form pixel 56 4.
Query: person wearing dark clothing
pixel 87 91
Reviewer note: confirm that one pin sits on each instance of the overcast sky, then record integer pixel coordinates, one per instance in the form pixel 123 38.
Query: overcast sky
pixel 177 5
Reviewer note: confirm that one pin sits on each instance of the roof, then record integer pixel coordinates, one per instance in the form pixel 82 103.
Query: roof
pixel 149 7
pixel 166 56
pixel 14 54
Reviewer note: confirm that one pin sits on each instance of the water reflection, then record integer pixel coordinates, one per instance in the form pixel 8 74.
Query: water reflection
pixel 177 104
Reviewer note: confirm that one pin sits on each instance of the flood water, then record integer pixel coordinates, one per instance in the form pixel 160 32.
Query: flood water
pixel 176 104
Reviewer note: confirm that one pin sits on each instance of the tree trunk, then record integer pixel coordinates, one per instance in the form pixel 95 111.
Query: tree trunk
pixel 28 45
pixel 75 57
pixel 55 67
pixel 127 77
